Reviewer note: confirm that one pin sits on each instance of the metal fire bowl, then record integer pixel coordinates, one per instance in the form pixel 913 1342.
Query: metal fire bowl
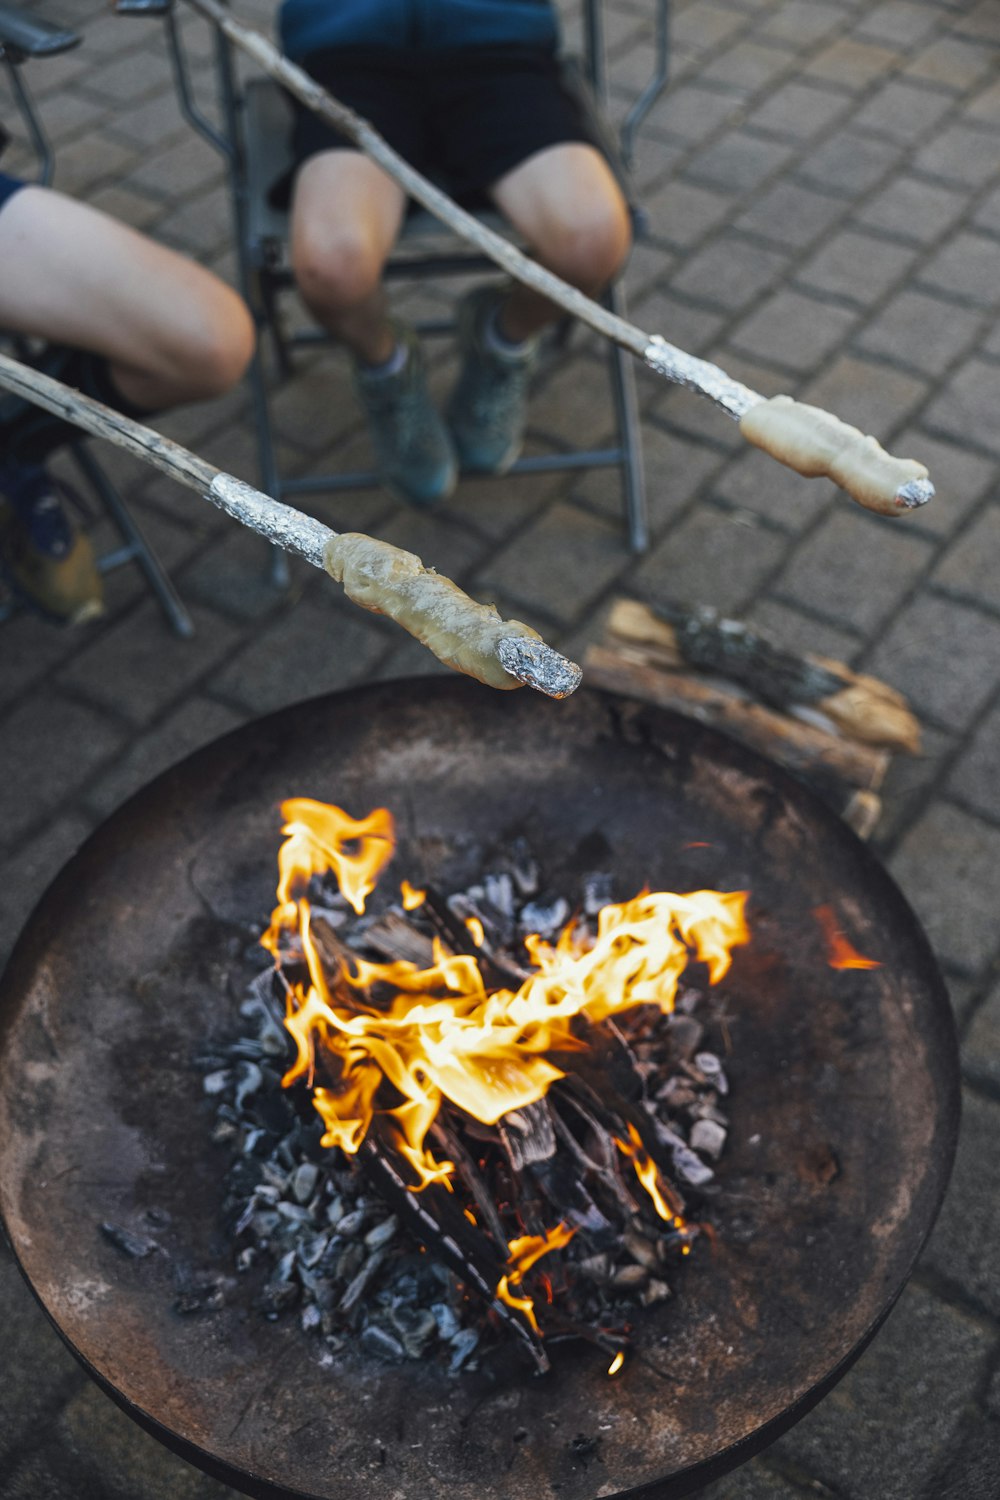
pixel 844 1099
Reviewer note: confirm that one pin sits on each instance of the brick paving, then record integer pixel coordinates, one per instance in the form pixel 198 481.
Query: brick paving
pixel 824 189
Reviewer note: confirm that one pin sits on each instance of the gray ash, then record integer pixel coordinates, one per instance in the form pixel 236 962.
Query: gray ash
pixel 317 1242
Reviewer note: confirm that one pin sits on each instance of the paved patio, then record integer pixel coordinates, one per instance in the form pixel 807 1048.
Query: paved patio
pixel 824 188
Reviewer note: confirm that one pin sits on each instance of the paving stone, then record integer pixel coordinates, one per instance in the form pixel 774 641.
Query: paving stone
pixel 561 564
pixel 981 1045
pixel 913 209
pixel 793 330
pixel 692 112
pixel 189 165
pixel 849 163
pixel 790 215
pixel 689 327
pixel 712 558
pixel 794 631
pixel 497 507
pixel 32 647
pixel 902 112
pixel 971 567
pixel 313 648
pixel 39 1371
pixel 967 406
pixel 852 63
pixel 960 154
pixel 856 266
pixel 730 272
pixel 803 23
pixel 748 66
pixel 800 110
pixel 138 669
pixel 196 723
pixel 911 783
pixel 49 746
pixel 704 26
pixel 755 1481
pixel 966 267
pixel 871 396
pixel 85 163
pixel 681 213
pixel 123 80
pixel 962 1247
pixel 921 331
pixel 975 778
pixel 972 1470
pixel 947 867
pixel 316 407
pixel 676 470
pixel 943 655
pixel 993 1395
pixel 951 62
pixel 153 121
pixel 843 1442
pixel 753 481
pixel 899 22
pixel 856 567
pixel 576 399
pixel 738 163
pixel 25 877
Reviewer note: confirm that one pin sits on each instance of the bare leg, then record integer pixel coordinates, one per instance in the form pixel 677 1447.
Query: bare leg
pixel 171 331
pixel 569 208
pixel 346 214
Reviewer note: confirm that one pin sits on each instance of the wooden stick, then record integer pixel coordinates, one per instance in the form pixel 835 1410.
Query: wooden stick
pixel 807 439
pixel 518 656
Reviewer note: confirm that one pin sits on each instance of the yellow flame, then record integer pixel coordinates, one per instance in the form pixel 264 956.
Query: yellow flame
pixel 617 1362
pixel 645 1170
pixel 523 1252
pixel 477 930
pixel 412 898
pixel 440 1034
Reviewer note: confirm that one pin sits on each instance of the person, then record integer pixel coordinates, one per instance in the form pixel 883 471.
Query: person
pixel 120 318
pixel 471 90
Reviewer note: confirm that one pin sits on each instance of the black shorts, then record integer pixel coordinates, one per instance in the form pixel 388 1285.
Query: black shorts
pixel 9 186
pixel 464 118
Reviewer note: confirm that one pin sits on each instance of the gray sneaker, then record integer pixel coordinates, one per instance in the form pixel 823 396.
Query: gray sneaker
pixel 413 452
pixel 487 409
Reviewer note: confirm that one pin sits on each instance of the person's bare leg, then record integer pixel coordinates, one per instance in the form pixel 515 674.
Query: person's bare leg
pixel 568 206
pixel 171 331
pixel 346 215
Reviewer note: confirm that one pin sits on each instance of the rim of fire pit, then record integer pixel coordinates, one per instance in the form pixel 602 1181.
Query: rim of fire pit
pixel 102 1114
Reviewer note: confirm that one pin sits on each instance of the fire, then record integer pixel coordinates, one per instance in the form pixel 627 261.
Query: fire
pixel 840 954
pixel 437 1033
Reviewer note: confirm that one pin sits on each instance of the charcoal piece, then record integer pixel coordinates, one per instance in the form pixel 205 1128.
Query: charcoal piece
pixel 382 1233
pixel 137 1246
pixel 596 1268
pixel 362 1280
pixel 528 1135
pixel 313 1250
pixel 686 1163
pixel 685 1034
pixel 202 1297
pixel 278 1297
pixel 523 866
pixel 415 1326
pixel 350 1261
pixel 217 1082
pixel 499 890
pixel 311 1318
pixel 384 1345
pixel 462 1345
pixel 248 1080
pixel 274 1111
pixel 265 1223
pixel 335 1211
pixel 447 1323
pixel 304 1180
pixel 641 1249
pixel 629 1278
pixel 352 1223
pixel 246 1258
pixel 224 1132
pixel 708 1137
pixel 294 1213
pixel 545 918
pixel 285 1267
pixel 597 890
pixel 656 1291
pixel 711 1067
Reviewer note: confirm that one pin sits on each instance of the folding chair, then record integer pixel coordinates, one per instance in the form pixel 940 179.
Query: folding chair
pixel 255 142
pixel 23 36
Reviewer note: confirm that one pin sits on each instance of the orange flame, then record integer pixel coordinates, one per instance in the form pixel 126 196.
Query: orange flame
pixel 523 1253
pixel 617 1362
pixel 440 1034
pixel 645 1170
pixel 412 898
pixel 840 954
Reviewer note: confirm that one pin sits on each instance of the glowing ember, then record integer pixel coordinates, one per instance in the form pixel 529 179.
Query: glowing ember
pixel 840 954
pixel 617 1363
pixel 398 1041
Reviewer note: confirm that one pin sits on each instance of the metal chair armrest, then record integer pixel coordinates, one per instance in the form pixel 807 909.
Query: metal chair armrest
pixel 654 88
pixel 23 35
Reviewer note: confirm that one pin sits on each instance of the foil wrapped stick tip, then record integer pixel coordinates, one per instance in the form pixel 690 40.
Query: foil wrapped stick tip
pixel 539 666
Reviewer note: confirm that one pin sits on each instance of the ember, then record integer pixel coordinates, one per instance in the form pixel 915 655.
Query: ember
pixel 513 1102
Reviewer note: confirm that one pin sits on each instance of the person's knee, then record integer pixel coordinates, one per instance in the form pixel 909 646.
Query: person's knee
pixel 219 348
pixel 590 249
pixel 335 268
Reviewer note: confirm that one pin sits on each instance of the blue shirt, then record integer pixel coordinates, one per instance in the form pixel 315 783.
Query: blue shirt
pixel 414 25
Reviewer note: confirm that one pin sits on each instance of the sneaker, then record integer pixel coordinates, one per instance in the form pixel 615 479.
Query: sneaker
pixel 47 561
pixel 413 452
pixel 487 409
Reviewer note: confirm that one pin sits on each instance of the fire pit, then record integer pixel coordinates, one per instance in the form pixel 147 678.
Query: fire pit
pixel 844 1099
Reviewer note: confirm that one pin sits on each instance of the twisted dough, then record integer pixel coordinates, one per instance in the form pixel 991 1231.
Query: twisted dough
pixel 460 632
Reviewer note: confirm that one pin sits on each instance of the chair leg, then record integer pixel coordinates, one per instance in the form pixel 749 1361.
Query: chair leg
pixel 136 547
pixel 627 409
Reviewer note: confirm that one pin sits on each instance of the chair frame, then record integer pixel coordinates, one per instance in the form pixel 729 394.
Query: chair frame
pixel 263 275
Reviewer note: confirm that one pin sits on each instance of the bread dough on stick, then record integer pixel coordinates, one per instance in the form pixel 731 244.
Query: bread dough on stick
pixel 460 632
pixel 814 442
